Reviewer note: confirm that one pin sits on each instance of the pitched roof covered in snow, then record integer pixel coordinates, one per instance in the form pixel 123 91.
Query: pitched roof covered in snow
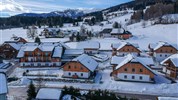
pixel 57 51
pixel 73 52
pixel 88 44
pixel 49 94
pixel 3 84
pixel 15 45
pixel 173 59
pixel 161 44
pixel 55 48
pixel 120 45
pixel 132 59
pixel 106 30
pixel 87 61
pixel 117 31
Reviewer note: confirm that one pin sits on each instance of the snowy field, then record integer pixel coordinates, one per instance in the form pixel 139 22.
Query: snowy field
pixel 5 35
pixel 163 88
pixel 142 36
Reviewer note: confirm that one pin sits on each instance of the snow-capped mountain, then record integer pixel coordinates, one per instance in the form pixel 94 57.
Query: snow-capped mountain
pixel 73 13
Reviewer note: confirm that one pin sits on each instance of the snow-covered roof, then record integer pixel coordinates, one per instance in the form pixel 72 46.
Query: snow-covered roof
pixel 30 48
pixel 167 98
pixel 15 45
pixel 87 61
pixel 120 45
pixel 73 52
pixel 117 60
pixel 117 31
pixel 88 44
pixel 46 47
pixel 3 84
pixel 57 51
pixel 131 58
pixel 21 52
pixel 106 30
pixel 173 58
pixel 160 44
pixel 4 65
pixel 56 48
pixel 49 94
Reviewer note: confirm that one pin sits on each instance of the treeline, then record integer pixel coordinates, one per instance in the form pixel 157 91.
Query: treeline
pixel 22 21
pixel 92 94
pixel 155 11
pixel 98 16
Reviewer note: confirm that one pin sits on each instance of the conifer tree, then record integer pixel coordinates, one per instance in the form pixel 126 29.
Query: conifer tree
pixel 31 93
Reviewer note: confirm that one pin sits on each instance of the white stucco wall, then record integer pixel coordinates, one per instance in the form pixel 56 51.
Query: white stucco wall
pixel 35 64
pixel 85 74
pixel 161 56
pixel 145 78
pixel 126 53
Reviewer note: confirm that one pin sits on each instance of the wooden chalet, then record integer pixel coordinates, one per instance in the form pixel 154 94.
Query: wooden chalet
pixel 171 66
pixel 41 55
pixel 162 50
pixel 132 68
pixel 124 48
pixel 9 50
pixel 80 67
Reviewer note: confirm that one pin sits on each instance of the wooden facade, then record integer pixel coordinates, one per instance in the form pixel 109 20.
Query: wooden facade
pixel 133 68
pixel 126 49
pixel 170 69
pixel 75 67
pixel 7 51
pixel 166 49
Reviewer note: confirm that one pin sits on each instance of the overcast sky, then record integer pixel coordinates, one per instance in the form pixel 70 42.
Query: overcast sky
pixel 39 6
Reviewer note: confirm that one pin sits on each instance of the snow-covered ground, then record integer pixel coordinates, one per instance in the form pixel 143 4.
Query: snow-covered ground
pixel 6 35
pixel 109 83
pixel 142 36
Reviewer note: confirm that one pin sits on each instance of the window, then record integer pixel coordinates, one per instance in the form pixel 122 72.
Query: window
pixel 69 67
pixel 160 55
pixel 125 69
pixel 69 74
pixel 141 70
pixel 123 54
pixel 81 74
pixel 123 49
pixel 75 67
pixel 133 70
pixel 127 49
pixel 165 55
pixel 161 50
pixel 125 76
pixel 171 50
pixel 141 77
pixel 46 54
pixel 133 77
